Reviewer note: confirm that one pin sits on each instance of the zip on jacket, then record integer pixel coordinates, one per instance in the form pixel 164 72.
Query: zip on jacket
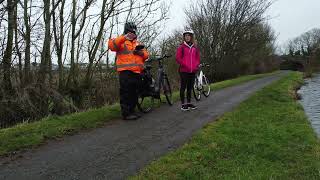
pixel 188 57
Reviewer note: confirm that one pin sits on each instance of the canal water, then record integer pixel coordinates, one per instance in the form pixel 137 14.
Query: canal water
pixel 310 93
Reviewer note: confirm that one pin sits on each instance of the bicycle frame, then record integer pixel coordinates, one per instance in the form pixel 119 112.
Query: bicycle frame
pixel 160 75
pixel 199 78
pixel 201 85
pixel 153 87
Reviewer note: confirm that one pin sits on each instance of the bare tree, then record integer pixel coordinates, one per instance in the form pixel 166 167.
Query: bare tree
pixel 44 71
pixel 221 26
pixel 8 52
pixel 45 55
pixel 72 78
pixel 27 38
pixel 304 44
pixel 17 45
pixel 59 41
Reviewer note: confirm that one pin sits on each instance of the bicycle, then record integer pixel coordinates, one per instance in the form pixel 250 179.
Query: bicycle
pixel 152 89
pixel 201 85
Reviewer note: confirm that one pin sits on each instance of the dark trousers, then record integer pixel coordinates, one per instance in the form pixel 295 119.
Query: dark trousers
pixel 187 82
pixel 129 86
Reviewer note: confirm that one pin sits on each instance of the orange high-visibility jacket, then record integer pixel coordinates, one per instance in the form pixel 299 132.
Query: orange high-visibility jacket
pixel 126 60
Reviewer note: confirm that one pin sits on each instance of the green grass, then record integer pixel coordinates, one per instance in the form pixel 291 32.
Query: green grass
pixel 28 135
pixel 231 82
pixel 267 137
pixel 242 79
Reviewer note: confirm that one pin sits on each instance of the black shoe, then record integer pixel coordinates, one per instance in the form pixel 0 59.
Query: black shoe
pixel 184 107
pixel 130 117
pixel 191 106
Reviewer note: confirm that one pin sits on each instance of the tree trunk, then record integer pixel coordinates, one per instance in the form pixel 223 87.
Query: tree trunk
pixel 16 40
pixel 27 56
pixel 59 43
pixel 60 63
pixel 71 77
pixel 8 52
pixel 45 62
pixel 94 49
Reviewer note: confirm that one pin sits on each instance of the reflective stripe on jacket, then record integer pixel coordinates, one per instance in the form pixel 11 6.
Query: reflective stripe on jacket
pixel 125 59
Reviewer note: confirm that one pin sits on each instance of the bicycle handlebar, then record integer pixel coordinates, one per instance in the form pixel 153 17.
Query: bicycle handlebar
pixel 160 58
pixel 204 65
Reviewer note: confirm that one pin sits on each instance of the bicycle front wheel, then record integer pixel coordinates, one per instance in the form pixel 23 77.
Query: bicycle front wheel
pixel 167 90
pixel 145 104
pixel 206 86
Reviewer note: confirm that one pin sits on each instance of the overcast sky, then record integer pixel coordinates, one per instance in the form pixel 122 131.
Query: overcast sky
pixel 289 18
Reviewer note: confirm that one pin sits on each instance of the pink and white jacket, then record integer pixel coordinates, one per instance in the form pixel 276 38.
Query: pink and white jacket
pixel 188 57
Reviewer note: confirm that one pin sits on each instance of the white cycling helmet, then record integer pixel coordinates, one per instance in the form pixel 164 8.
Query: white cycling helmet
pixel 188 31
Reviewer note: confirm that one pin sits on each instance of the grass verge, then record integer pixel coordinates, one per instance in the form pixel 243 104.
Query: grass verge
pixel 267 137
pixel 28 135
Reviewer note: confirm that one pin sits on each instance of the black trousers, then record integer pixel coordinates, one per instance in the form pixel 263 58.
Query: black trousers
pixel 187 82
pixel 129 87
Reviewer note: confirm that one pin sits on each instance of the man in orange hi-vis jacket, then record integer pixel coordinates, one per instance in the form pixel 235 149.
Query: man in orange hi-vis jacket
pixel 130 57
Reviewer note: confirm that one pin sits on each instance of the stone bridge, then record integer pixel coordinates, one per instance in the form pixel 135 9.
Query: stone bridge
pixel 296 63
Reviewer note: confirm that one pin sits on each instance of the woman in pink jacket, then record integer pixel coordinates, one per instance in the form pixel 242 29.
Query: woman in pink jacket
pixel 188 57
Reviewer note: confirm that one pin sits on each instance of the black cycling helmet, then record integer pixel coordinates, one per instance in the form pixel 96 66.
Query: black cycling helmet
pixel 130 27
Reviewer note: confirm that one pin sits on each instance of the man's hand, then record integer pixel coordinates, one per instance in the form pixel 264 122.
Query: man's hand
pixel 130 36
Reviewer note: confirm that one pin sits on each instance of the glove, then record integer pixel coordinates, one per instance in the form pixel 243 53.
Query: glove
pixel 138 52
pixel 130 36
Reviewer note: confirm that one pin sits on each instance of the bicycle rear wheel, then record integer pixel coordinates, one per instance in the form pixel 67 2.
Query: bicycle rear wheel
pixel 145 104
pixel 197 90
pixel 206 86
pixel 167 90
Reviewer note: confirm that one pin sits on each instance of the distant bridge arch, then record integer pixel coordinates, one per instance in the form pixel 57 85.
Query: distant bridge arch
pixel 293 63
